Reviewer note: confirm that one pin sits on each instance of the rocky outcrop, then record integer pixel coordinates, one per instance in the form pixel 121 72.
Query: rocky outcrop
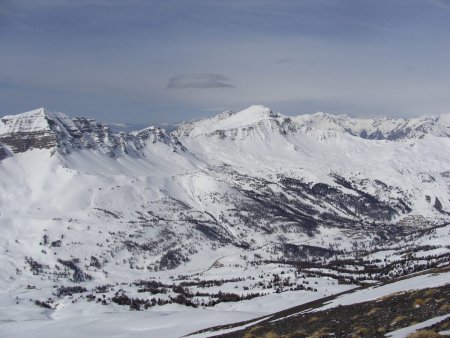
pixel 41 129
pixel 154 134
pixel 3 152
pixel 27 131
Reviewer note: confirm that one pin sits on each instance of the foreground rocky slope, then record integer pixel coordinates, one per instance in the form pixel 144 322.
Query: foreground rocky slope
pixel 361 317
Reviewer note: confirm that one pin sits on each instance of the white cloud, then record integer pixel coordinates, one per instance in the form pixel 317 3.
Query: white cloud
pixel 204 80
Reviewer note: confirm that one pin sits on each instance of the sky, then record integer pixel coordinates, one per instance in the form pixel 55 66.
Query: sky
pixel 149 61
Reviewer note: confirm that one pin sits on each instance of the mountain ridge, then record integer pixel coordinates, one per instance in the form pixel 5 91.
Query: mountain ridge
pixel 52 129
pixel 325 168
pixel 41 128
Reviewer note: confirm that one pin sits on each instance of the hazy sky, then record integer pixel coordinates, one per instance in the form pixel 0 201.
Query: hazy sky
pixel 170 60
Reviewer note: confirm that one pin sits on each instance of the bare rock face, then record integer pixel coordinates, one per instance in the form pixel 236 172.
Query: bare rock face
pixel 42 129
pixel 28 130
pixel 3 152
pixel 437 204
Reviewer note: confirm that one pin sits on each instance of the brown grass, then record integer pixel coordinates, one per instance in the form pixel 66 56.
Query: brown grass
pixel 424 334
pixel 298 334
pixel 373 311
pixel 361 330
pixel 322 333
pixel 418 302
pixel 251 333
pixel 313 319
pixel 398 319
pixel 445 325
pixel 381 330
pixel 445 307
pixel 430 292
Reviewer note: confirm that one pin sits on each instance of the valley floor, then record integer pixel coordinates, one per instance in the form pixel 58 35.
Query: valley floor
pixel 89 319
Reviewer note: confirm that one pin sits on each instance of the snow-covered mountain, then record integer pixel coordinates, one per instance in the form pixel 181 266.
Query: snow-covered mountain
pixel 379 128
pixel 82 202
pixel 42 129
pixel 245 178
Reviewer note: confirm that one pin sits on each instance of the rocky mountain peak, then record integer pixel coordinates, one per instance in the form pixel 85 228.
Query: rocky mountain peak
pixel 228 121
pixel 38 128
pixel 43 129
pixel 254 113
pixel 32 121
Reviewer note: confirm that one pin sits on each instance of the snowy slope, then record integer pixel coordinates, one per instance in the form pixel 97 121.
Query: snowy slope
pixel 241 178
pixel 81 203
